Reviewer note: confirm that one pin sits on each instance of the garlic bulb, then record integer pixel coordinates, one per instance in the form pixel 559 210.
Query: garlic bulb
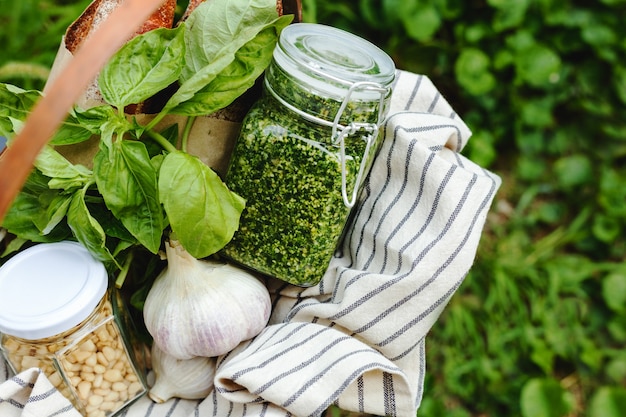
pixel 191 379
pixel 203 308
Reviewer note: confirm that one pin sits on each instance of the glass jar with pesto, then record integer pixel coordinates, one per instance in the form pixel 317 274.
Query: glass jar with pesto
pixel 304 149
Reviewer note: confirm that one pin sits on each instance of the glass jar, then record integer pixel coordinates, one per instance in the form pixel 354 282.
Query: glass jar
pixel 304 149
pixel 57 314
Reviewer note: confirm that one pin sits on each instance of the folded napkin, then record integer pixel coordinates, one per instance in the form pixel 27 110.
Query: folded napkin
pixel 30 394
pixel 357 339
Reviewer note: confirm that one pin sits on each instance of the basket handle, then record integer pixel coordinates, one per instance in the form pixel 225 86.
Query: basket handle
pixel 16 162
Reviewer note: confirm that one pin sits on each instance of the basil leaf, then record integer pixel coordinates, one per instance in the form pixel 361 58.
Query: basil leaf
pixel 215 31
pixel 64 175
pixel 128 182
pixel 81 125
pixel 223 26
pixel 70 132
pixel 144 66
pixel 94 118
pixel 249 63
pixel 113 227
pixel 187 90
pixel 202 211
pixel 19 219
pixel 86 229
pixel 58 205
pixel 34 214
pixel 13 246
pixel 14 103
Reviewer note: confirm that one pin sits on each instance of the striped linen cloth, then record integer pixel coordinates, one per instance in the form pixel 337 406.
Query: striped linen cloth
pixel 357 340
pixel 30 394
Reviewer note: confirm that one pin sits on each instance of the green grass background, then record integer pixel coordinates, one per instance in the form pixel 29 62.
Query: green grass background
pixel 538 329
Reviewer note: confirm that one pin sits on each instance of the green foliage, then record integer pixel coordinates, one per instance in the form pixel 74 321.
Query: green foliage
pixel 30 37
pixel 538 327
pixel 608 402
pixel 544 398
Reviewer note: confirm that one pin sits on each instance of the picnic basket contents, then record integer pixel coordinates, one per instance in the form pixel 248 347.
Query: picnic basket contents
pixel 327 90
pixel 215 176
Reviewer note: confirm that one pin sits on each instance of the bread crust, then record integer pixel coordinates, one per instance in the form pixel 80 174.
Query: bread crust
pixel 163 17
pixel 93 16
pixel 80 29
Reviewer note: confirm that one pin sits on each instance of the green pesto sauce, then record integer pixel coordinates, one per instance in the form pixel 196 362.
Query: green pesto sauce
pixel 290 174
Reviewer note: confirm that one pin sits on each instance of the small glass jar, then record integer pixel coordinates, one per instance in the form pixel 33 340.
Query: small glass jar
pixel 57 314
pixel 304 149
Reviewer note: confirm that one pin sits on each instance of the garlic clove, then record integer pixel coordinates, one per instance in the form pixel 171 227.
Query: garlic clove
pixel 190 379
pixel 204 308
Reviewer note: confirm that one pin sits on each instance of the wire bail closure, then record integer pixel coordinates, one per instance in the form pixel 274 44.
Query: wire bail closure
pixel 340 133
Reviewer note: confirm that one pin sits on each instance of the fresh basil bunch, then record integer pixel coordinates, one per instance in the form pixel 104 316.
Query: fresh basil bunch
pixel 137 191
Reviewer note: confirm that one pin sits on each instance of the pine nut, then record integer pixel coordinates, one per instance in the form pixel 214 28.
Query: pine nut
pixel 109 353
pixel 84 388
pixel 88 346
pixel 99 369
pixel 91 360
pixel 113 375
pixel 95 400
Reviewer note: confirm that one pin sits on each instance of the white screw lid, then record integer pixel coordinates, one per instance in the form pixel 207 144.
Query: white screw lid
pixel 48 289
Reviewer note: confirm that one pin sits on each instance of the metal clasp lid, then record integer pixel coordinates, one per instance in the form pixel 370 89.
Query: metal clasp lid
pixel 340 133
